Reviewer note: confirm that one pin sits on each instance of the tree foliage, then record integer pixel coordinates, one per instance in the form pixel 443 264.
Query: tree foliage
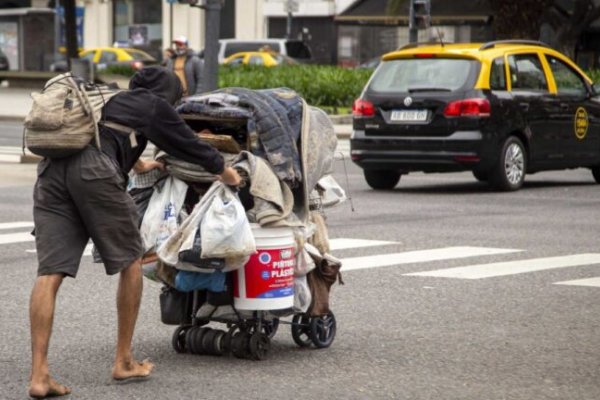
pixel 560 23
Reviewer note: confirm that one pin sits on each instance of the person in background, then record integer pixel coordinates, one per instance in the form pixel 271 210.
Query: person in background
pixel 187 66
pixel 168 54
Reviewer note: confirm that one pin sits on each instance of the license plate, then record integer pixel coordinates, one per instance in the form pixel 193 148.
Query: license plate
pixel 409 115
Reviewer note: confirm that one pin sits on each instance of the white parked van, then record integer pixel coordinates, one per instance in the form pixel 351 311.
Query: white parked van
pixel 296 49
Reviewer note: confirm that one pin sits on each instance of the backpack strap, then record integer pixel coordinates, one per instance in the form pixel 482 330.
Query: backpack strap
pixel 122 129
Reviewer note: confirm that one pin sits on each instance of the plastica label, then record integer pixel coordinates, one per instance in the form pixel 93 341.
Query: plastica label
pixel 270 274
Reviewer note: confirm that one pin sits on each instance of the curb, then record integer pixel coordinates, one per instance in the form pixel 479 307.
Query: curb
pixel 12 118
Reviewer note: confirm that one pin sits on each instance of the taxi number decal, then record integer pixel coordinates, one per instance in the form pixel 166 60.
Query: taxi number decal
pixel 581 123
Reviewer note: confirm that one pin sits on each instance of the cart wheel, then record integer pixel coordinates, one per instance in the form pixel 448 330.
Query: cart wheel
pixel 322 330
pixel 207 342
pixel 259 346
pixel 239 344
pixel 301 330
pixel 178 340
pixel 227 339
pixel 198 343
pixel 218 344
pixel 270 327
pixel 189 339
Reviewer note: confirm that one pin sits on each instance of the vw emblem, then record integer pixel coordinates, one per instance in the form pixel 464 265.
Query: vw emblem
pixel 407 101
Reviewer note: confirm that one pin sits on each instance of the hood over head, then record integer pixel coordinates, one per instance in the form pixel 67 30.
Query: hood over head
pixel 160 81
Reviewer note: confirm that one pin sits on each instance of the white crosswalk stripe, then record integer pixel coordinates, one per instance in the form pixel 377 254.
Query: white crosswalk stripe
pixel 383 259
pixel 592 282
pixel 512 267
pixel 409 257
pixel 20 237
pixel 343 243
pixel 16 225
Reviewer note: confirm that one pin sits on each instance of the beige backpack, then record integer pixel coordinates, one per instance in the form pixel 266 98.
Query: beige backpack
pixel 64 117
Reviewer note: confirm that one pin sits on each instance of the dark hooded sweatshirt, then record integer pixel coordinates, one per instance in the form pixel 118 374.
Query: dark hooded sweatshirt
pixel 147 108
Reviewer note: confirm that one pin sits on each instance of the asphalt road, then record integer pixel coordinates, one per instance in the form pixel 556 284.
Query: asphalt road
pixel 480 333
pixel 11 133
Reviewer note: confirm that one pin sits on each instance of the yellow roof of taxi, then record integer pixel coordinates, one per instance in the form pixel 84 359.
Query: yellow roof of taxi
pixel 470 50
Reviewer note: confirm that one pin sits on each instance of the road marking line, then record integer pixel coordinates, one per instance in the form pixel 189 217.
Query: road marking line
pixel 15 225
pixel 345 243
pixel 595 282
pixel 86 252
pixel 512 267
pixel 16 238
pixel 447 253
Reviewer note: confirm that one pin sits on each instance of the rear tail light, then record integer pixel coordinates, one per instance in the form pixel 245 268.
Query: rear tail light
pixel 363 108
pixel 468 108
pixel 137 65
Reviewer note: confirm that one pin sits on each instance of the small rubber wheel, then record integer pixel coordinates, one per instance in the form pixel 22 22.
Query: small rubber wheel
pixel 189 339
pixel 270 327
pixel 322 330
pixel 240 344
pixel 178 340
pixel 228 338
pixel 198 342
pixel 218 347
pixel 207 341
pixel 301 330
pixel 259 346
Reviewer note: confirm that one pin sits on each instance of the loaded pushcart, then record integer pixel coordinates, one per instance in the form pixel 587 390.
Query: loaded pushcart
pixel 257 258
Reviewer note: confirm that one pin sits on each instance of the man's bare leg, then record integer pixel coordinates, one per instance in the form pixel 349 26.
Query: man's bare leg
pixel 129 296
pixel 41 317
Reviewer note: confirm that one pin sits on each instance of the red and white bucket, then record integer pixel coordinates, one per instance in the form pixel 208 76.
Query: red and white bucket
pixel 266 282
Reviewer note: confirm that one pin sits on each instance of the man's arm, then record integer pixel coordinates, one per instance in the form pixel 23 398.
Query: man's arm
pixel 142 166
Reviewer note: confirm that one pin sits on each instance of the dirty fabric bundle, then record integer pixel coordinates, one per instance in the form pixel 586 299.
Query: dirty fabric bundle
pixel 275 115
pixel 187 171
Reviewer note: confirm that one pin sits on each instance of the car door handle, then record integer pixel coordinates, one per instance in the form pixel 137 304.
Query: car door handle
pixel 524 106
pixel 564 106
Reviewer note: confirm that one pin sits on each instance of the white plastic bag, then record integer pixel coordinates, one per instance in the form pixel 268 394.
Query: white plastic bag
pixel 225 230
pixel 304 262
pixel 302 295
pixel 160 219
pixel 183 238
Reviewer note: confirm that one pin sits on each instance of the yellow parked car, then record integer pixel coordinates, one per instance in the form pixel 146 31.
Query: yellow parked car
pixel 264 58
pixel 103 57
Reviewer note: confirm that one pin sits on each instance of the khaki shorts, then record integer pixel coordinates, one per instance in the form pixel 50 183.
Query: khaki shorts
pixel 81 197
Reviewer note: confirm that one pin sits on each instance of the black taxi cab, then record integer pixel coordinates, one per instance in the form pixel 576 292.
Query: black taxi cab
pixel 501 109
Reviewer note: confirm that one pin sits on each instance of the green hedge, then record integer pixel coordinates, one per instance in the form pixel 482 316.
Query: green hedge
pixel 320 85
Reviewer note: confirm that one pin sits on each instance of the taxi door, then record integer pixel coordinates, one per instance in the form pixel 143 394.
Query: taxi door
pixel 579 137
pixel 530 92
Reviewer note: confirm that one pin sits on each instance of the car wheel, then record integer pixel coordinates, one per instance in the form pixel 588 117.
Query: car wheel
pixel 381 179
pixel 596 173
pixel 509 172
pixel 481 176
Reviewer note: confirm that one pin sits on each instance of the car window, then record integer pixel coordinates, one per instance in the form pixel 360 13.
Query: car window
pixel 107 56
pixel 89 55
pixel 236 61
pixel 232 48
pixel 498 75
pixel 404 75
pixel 567 81
pixel 139 55
pixel 255 60
pixel 526 72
